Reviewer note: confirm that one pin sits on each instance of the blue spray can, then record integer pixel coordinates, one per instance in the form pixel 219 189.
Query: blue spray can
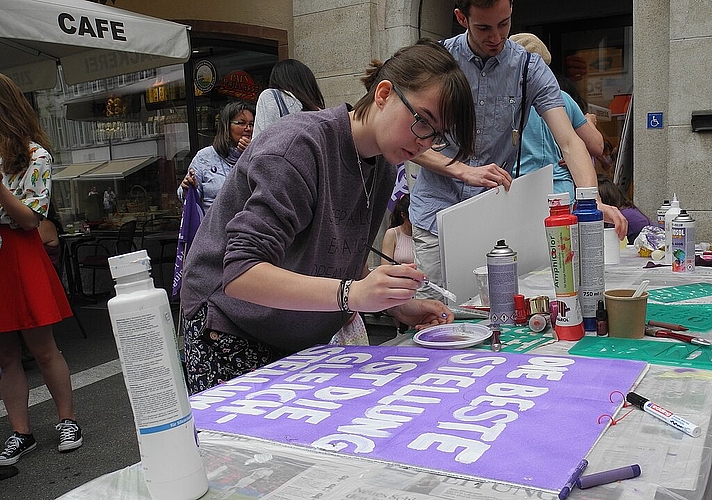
pixel 591 256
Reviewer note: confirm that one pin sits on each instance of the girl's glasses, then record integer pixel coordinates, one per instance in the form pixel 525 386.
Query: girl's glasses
pixel 421 128
pixel 240 123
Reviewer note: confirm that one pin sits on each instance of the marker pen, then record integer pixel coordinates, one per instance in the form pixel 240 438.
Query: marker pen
pixel 609 476
pixel 665 415
pixel 573 479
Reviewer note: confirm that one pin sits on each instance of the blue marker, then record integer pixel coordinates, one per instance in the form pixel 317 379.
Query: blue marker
pixel 572 480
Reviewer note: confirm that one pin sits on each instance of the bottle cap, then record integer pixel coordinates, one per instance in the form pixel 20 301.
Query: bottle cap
pixel 586 193
pixel 559 200
pixel 636 399
pixel 520 314
pixel 129 263
pixel 601 313
pixel 537 323
pixel 539 305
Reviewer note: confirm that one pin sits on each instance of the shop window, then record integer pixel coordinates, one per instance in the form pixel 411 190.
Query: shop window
pixel 138 132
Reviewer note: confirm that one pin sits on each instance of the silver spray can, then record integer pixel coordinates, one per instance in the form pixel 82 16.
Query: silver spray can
pixel 683 243
pixel 660 214
pixel 503 283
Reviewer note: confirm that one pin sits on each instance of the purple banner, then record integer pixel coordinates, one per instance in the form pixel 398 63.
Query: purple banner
pixel 513 418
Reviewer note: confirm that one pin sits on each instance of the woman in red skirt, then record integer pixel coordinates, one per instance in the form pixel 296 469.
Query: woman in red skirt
pixel 31 296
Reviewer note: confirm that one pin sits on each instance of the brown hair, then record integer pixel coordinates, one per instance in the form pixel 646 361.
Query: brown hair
pixel 18 126
pixel 612 194
pixel 418 67
pixel 465 5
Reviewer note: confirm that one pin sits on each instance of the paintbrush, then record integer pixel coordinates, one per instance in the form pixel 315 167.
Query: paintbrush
pixel 439 289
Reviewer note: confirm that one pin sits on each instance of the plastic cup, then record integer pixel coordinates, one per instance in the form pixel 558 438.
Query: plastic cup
pixel 611 246
pixel 626 315
pixel 482 284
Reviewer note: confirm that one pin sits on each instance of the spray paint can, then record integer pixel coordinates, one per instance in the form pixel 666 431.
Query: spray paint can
pixel 503 283
pixel 591 261
pixel 683 243
pixel 660 214
pixel 145 337
pixel 670 215
pixel 562 234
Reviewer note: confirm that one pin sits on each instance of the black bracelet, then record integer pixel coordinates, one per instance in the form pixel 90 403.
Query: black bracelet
pixel 339 292
pixel 343 298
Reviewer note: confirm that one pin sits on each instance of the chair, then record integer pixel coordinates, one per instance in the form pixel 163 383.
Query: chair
pixel 63 257
pixel 102 248
pixel 159 237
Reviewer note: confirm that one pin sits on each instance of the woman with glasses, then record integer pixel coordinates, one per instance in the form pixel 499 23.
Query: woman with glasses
pixel 279 262
pixel 210 165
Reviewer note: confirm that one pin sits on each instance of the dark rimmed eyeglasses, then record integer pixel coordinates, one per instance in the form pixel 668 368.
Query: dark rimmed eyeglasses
pixel 240 123
pixel 421 128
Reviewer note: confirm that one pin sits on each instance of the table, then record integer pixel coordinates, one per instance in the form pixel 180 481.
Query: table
pixel 674 465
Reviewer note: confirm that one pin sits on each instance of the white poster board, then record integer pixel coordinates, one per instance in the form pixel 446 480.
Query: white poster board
pixel 471 228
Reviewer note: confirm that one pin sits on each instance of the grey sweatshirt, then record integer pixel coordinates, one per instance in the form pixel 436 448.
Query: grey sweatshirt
pixel 294 199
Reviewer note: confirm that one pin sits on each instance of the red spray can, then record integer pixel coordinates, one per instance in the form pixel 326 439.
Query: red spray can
pixel 562 235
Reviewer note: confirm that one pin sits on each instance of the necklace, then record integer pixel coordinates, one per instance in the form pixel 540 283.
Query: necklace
pixel 367 192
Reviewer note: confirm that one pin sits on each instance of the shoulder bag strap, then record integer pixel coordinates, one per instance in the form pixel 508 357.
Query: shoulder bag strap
pixel 280 103
pixel 522 123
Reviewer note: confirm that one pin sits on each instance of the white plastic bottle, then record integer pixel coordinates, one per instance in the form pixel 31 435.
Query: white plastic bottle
pixel 660 214
pixel 670 215
pixel 143 327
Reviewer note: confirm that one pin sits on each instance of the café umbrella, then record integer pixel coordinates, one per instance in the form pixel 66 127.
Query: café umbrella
pixel 89 40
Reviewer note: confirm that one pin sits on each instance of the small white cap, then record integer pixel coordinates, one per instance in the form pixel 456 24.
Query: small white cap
pixel 559 200
pixel 586 193
pixel 129 263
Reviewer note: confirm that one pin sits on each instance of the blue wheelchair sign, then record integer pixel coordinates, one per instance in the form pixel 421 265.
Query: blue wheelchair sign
pixel 655 120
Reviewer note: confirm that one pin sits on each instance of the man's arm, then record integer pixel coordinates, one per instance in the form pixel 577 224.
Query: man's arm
pixel 591 137
pixel 579 163
pixel 488 176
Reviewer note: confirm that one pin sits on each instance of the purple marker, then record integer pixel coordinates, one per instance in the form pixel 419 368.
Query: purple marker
pixel 573 480
pixel 610 476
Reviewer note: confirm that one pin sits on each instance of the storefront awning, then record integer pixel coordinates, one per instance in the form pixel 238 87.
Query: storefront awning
pixel 119 169
pixel 75 170
pixel 89 40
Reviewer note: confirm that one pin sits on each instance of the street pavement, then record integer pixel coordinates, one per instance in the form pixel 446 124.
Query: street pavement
pixel 101 405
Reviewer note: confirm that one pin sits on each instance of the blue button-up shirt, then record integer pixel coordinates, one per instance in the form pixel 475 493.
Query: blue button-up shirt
pixel 497 93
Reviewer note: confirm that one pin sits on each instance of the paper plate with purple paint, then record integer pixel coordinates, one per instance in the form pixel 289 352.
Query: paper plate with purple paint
pixel 452 336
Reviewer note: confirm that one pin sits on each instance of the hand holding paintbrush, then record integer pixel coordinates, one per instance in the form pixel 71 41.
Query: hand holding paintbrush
pixel 445 293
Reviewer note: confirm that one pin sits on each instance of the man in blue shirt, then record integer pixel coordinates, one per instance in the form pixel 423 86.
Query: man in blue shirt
pixel 494 66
